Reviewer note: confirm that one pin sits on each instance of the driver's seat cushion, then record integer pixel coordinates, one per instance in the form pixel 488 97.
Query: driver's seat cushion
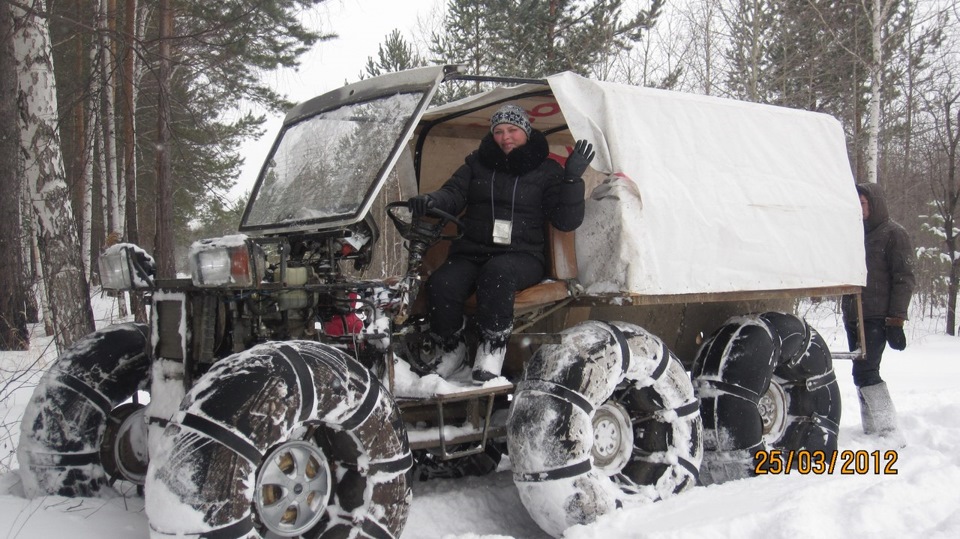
pixel 561 256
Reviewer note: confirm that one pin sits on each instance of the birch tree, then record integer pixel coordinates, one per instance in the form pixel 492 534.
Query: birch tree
pixel 131 66
pixel 66 286
pixel 879 15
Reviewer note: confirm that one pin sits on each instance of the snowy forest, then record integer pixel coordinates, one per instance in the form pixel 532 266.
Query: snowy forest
pixel 123 119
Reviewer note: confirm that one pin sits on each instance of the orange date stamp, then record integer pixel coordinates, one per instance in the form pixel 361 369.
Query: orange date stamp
pixel 846 462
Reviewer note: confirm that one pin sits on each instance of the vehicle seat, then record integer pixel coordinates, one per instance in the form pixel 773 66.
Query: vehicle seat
pixel 561 274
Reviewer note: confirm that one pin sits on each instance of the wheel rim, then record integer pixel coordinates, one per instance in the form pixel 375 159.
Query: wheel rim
pixel 292 488
pixel 123 451
pixel 612 438
pixel 773 411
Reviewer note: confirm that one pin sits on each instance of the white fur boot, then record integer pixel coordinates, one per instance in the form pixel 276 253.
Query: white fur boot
pixel 453 356
pixel 490 354
pixel 452 353
pixel 878 415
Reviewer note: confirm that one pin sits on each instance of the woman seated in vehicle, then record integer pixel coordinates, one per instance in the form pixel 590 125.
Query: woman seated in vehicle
pixel 508 189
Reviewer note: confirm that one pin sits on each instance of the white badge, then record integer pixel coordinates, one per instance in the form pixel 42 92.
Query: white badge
pixel 502 230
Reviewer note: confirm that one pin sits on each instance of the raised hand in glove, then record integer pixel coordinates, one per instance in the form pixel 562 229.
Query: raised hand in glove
pixel 420 204
pixel 895 337
pixel 578 161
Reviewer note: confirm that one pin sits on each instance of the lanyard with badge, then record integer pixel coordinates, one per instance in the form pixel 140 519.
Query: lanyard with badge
pixel 502 228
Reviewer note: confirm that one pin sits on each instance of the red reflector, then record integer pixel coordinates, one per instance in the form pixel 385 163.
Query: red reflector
pixel 240 264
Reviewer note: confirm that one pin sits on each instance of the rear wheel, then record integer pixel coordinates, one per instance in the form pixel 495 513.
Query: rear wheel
pixel 765 381
pixel 75 436
pixel 605 419
pixel 292 439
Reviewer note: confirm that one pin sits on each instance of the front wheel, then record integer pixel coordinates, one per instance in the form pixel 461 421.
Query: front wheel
pixel 293 439
pixel 75 436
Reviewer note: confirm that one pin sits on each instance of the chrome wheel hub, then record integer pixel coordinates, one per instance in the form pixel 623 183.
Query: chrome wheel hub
pixel 612 438
pixel 773 411
pixel 292 489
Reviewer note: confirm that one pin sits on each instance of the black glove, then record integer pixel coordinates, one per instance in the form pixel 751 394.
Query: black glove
pixel 420 204
pixel 578 160
pixel 895 337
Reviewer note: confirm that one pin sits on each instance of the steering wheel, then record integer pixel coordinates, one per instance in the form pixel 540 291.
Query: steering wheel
pixel 418 228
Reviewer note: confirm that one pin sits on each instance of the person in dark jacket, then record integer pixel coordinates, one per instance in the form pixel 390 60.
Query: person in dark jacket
pixel 508 190
pixel 885 298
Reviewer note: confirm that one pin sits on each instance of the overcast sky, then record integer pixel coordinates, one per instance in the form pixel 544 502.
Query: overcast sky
pixel 361 26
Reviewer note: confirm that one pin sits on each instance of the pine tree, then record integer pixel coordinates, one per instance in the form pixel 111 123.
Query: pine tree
pixel 751 26
pixel 220 52
pixel 394 54
pixel 465 40
pixel 542 38
pixel 528 38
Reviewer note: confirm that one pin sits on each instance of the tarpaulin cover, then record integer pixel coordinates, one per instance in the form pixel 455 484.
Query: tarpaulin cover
pixel 701 194
pixel 711 195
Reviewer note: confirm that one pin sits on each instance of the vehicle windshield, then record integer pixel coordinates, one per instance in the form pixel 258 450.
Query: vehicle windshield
pixel 324 167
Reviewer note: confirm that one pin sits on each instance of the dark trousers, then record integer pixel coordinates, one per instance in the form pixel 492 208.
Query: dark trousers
pixel 494 278
pixel 866 372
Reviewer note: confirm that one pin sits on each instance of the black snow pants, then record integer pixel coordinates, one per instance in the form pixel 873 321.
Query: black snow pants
pixel 866 372
pixel 495 278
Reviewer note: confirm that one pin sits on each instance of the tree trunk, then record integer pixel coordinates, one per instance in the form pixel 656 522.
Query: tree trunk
pixel 164 234
pixel 953 284
pixel 952 204
pixel 92 156
pixel 67 290
pixel 28 253
pixel 131 223
pixel 37 290
pixel 13 319
pixel 82 169
pixel 108 120
pixel 876 85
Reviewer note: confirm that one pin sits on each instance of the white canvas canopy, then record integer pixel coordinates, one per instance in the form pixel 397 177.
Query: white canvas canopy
pixel 694 194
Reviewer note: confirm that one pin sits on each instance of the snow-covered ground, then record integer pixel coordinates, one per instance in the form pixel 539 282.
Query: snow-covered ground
pixel 920 500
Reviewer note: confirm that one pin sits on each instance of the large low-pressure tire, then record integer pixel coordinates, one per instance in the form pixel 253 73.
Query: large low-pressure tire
pixel 605 419
pixel 66 435
pixel 765 381
pixel 292 439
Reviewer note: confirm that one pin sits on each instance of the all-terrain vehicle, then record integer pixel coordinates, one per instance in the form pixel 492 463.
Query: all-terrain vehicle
pixel 290 393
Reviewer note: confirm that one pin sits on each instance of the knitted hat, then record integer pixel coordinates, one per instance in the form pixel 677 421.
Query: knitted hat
pixel 513 115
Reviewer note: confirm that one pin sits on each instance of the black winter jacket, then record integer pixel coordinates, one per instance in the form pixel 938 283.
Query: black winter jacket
pixel 890 261
pixel 524 186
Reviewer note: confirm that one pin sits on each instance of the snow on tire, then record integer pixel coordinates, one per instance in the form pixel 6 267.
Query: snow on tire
pixel 292 439
pixel 63 425
pixel 765 381
pixel 605 419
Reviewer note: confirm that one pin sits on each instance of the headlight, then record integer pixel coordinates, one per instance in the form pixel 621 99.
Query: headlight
pixel 231 261
pixel 125 266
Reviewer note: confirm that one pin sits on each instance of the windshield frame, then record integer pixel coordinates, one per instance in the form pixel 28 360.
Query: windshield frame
pixel 424 81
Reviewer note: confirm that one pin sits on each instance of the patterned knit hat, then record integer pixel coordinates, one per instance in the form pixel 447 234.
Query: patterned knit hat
pixel 513 115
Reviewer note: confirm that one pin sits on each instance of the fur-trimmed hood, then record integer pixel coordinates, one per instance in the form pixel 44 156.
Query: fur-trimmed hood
pixel 518 162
